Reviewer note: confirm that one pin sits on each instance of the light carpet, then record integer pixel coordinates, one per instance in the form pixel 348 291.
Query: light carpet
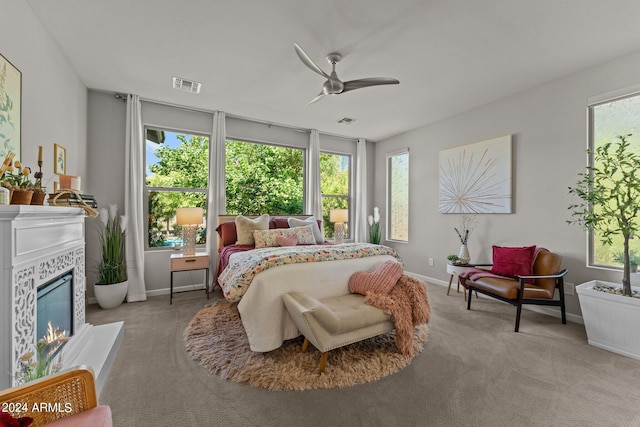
pixel 216 338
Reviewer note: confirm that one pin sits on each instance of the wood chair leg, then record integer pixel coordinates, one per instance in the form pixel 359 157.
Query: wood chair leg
pixel 323 361
pixel 518 313
pixel 305 344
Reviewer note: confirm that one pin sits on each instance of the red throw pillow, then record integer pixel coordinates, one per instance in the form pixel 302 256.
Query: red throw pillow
pixel 380 281
pixel 512 262
pixel 7 420
pixel 227 233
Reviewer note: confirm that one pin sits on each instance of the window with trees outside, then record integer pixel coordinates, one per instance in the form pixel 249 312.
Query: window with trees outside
pixel 398 196
pixel 609 119
pixel 176 175
pixel 262 178
pixel 334 185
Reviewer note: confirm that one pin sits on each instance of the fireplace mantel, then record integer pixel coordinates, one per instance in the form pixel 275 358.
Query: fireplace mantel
pixel 37 244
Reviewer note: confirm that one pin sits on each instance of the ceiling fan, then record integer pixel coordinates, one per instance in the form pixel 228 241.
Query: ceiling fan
pixel 333 85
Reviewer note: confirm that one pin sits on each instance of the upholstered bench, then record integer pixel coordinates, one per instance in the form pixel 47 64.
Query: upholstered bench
pixel 334 322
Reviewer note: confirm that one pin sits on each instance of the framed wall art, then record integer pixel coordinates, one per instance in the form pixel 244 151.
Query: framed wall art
pixel 10 108
pixel 476 178
pixel 59 159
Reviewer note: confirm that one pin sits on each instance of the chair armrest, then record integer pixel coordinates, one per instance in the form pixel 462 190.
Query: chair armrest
pixel 545 276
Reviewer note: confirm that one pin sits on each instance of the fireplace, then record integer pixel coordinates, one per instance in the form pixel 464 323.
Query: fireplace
pixel 42 280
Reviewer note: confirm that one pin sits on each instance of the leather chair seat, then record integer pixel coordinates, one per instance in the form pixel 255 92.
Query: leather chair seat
pixel 508 288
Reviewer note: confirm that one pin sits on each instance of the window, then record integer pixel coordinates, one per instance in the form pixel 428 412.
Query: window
pixel 334 187
pixel 608 120
pixel 176 175
pixel 262 178
pixel 398 196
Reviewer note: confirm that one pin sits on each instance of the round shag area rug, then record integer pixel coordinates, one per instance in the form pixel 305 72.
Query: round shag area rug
pixel 216 338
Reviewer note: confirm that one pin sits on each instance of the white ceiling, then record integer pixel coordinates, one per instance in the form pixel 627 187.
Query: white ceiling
pixel 449 55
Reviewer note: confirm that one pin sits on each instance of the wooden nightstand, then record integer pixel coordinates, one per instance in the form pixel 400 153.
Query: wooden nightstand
pixel 199 261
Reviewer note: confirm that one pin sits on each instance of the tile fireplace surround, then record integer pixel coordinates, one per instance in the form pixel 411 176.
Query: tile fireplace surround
pixel 38 244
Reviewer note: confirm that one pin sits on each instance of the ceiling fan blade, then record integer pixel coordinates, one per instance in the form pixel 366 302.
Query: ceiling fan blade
pixel 371 81
pixel 317 98
pixel 306 60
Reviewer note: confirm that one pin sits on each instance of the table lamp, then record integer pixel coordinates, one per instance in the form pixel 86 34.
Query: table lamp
pixel 339 217
pixel 189 218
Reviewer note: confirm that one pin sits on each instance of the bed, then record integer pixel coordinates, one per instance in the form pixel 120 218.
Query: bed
pixel 256 278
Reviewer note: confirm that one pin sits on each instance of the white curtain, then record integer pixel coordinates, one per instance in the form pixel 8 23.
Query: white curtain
pixel 361 230
pixel 133 206
pixel 313 203
pixel 217 193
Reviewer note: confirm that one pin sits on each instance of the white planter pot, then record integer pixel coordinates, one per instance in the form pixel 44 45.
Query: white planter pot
pixel 611 320
pixel 111 296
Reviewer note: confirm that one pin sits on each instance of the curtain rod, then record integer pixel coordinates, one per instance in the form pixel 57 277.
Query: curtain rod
pixel 122 97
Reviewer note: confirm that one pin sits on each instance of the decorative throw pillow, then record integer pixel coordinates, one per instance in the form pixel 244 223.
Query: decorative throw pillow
pixel 317 233
pixel 287 240
pixel 380 281
pixel 227 233
pixel 8 420
pixel 246 226
pixel 267 238
pixel 512 262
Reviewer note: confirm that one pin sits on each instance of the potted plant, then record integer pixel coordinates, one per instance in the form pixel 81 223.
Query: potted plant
pixel 112 285
pixel 609 192
pixel 16 179
pixel 453 259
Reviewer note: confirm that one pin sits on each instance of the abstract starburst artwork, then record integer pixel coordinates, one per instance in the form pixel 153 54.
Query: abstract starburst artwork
pixel 476 178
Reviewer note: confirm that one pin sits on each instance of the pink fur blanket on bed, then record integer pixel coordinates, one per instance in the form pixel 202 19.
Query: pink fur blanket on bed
pixel 407 303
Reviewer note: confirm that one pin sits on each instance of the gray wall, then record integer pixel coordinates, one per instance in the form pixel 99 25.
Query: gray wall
pixel 549 128
pixel 54 99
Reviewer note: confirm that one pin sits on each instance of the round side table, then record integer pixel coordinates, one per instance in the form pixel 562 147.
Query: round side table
pixel 455 270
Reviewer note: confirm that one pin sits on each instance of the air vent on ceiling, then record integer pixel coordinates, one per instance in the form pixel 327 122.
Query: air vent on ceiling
pixel 186 85
pixel 346 121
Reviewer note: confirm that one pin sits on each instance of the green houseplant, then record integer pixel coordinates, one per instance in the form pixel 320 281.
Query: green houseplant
pixel 112 286
pixel 608 193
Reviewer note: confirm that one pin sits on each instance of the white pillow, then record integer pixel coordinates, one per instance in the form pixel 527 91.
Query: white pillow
pixel 317 233
pixel 246 226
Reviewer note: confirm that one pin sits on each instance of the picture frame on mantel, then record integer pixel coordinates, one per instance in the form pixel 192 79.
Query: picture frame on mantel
pixel 10 108
pixel 59 159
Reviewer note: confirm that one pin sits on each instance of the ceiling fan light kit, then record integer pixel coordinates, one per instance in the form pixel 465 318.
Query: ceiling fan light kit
pixel 333 85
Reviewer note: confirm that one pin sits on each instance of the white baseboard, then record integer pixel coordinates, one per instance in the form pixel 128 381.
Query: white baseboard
pixel 165 291
pixel 555 312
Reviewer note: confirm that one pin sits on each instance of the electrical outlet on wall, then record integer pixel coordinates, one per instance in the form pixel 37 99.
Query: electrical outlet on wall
pixel 431 262
pixel 569 288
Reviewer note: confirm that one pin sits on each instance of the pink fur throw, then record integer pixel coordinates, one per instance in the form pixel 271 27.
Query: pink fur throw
pixel 408 305
pixel 380 281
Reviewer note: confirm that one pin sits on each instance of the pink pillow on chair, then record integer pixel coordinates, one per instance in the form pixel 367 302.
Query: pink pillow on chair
pixel 380 281
pixel 512 262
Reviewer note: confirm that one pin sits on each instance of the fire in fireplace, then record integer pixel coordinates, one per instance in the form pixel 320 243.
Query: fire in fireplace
pixel 55 313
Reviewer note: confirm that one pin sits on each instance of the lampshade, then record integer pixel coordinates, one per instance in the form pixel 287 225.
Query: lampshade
pixel 339 215
pixel 188 216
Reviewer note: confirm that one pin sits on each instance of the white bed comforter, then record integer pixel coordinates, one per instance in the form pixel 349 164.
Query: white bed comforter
pixel 262 310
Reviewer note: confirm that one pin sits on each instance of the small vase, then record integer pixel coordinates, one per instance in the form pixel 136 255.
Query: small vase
pixel 38 198
pixel 21 197
pixel 463 255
